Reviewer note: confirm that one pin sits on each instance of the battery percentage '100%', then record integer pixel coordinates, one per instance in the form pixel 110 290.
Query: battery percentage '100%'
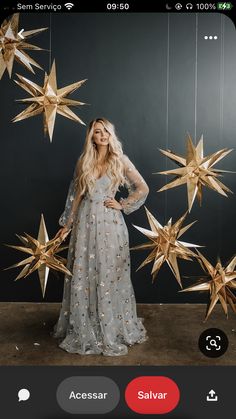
pixel 206 6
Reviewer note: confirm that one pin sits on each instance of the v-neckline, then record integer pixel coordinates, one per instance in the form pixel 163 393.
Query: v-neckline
pixel 98 178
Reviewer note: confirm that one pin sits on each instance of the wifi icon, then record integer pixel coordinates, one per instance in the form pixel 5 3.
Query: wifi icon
pixel 69 5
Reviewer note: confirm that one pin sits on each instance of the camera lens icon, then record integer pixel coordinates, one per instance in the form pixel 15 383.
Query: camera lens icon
pixel 178 6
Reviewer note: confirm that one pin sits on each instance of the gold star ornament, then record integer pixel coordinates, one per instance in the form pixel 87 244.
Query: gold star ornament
pixel 43 255
pixel 13 44
pixel 222 282
pixel 196 171
pixel 48 100
pixel 165 244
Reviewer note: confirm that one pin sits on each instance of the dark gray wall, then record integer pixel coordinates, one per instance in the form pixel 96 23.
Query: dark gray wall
pixel 124 58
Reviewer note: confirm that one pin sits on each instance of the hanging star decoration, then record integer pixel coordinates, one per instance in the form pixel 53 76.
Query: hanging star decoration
pixel 165 245
pixel 222 282
pixel 196 171
pixel 12 46
pixel 43 255
pixel 48 100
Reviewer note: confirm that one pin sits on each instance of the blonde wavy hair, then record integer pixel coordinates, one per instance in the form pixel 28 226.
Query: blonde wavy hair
pixel 88 161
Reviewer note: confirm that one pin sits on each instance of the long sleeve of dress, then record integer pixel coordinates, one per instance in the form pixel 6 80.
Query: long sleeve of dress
pixel 137 188
pixel 68 211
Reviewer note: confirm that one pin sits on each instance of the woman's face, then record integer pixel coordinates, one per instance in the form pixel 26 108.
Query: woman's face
pixel 100 134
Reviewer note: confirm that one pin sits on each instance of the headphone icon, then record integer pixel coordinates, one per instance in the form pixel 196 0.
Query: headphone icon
pixel 189 6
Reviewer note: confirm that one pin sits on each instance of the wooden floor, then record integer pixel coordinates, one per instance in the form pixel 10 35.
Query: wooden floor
pixel 173 332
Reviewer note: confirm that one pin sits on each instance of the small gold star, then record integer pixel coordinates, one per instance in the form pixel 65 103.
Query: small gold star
pixel 42 257
pixel 165 244
pixel 48 100
pixel 222 281
pixel 12 45
pixel 196 171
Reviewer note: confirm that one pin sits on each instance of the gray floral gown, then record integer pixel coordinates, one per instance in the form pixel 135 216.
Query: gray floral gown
pixel 98 313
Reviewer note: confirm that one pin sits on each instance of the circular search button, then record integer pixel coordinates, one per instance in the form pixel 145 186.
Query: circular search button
pixel 152 395
pixel 213 343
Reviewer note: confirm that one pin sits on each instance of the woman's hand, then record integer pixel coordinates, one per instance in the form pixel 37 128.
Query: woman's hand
pixel 62 233
pixel 112 203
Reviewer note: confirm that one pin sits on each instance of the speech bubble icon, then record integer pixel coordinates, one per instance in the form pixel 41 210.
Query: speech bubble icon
pixel 23 395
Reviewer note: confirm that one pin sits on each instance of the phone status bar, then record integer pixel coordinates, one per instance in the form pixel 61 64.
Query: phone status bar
pixel 104 6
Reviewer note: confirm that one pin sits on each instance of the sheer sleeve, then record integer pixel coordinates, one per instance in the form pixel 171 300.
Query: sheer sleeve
pixel 137 188
pixel 67 216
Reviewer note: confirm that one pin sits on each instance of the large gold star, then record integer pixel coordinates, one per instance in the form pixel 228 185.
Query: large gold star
pixel 222 280
pixel 42 255
pixel 48 100
pixel 165 244
pixel 12 45
pixel 196 171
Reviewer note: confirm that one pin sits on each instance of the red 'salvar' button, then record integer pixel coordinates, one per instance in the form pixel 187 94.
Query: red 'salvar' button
pixel 152 395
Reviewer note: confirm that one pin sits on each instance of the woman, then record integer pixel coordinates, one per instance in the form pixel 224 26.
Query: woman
pixel 98 314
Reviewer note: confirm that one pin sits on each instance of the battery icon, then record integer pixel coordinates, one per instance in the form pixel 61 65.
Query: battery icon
pixel 224 6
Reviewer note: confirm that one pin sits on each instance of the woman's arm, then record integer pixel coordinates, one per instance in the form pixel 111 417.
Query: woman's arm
pixel 72 201
pixel 137 188
pixel 76 201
